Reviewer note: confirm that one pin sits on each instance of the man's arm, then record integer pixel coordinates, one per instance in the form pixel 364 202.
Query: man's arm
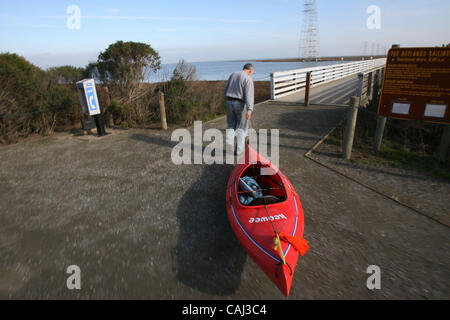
pixel 226 87
pixel 250 96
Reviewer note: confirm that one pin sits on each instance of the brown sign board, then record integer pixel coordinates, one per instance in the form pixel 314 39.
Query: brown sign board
pixel 417 85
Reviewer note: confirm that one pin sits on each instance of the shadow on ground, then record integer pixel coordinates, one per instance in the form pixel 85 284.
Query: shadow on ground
pixel 208 257
pixel 154 140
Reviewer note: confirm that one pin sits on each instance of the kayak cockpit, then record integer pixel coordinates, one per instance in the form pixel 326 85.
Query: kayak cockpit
pixel 258 187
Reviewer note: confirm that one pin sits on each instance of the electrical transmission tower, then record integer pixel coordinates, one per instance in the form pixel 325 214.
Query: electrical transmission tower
pixel 310 37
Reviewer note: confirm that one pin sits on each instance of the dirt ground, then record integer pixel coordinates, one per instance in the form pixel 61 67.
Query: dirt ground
pixel 423 191
pixel 140 227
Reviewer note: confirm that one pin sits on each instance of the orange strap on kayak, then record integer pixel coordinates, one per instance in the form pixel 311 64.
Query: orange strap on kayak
pixel 300 244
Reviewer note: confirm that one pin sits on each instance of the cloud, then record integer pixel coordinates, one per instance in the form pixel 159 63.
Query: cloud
pixel 164 30
pixel 31 25
pixel 117 10
pixel 192 19
pixel 112 10
pixel 274 35
pixel 406 13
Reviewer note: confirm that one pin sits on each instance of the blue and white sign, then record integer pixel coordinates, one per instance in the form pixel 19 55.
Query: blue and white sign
pixel 91 97
pixel 88 97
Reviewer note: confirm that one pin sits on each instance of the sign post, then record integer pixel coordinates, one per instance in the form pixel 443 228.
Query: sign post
pixel 90 105
pixel 416 86
pixel 445 143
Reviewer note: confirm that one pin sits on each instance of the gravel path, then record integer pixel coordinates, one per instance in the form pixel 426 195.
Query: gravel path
pixel 141 227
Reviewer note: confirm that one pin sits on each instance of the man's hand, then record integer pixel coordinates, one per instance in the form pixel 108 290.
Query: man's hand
pixel 249 115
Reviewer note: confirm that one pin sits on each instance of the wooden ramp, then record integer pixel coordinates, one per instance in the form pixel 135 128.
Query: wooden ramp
pixel 336 92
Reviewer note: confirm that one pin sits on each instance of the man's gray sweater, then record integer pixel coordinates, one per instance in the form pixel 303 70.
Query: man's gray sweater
pixel 240 86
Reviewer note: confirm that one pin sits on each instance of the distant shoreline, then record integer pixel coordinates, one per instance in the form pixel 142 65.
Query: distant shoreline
pixel 338 58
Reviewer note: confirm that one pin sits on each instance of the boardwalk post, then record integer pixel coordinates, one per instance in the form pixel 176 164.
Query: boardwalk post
pixel 162 107
pixel 308 89
pixel 445 143
pixel 370 85
pixel 360 87
pixel 376 79
pixel 272 87
pixel 380 77
pixel 352 116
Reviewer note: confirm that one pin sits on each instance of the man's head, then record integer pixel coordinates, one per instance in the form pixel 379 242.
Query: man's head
pixel 249 69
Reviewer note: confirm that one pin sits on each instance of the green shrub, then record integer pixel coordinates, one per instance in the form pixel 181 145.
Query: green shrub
pixel 33 101
pixel 66 74
pixel 21 82
pixel 21 94
pixel 118 110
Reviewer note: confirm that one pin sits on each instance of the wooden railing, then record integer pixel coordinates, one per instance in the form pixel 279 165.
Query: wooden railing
pixel 288 82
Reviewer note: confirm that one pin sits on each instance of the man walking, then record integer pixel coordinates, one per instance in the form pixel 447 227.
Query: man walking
pixel 240 98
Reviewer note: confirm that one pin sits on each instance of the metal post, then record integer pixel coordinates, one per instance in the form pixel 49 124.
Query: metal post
pixel 352 116
pixel 162 107
pixel 100 124
pixel 445 143
pixel 308 89
pixel 272 87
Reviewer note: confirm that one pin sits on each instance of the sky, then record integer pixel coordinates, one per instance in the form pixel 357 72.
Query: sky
pixel 213 30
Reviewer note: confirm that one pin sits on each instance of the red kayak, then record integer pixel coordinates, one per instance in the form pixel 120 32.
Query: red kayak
pixel 267 217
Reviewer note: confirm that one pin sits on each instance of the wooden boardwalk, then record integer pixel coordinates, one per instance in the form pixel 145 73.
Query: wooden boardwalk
pixel 336 92
pixel 333 84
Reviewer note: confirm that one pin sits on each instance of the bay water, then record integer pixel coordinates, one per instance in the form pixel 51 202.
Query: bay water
pixel 221 70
